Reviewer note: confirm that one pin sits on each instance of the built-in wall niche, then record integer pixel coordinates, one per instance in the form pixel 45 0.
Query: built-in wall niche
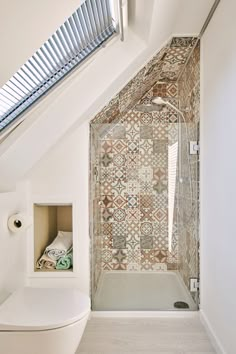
pixel 48 221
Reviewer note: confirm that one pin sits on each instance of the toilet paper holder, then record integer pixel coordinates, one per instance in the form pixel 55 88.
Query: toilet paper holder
pixel 17 222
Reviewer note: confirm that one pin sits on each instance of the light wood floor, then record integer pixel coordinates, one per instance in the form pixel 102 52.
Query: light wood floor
pixel 145 336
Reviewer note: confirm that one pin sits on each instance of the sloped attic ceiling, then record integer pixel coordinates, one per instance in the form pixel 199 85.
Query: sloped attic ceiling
pixel 82 95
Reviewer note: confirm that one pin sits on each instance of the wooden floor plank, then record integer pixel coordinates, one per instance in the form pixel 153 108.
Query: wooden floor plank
pixel 146 336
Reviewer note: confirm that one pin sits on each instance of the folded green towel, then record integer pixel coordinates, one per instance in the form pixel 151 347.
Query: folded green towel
pixel 65 262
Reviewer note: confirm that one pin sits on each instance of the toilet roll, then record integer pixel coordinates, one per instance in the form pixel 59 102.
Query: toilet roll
pixel 17 222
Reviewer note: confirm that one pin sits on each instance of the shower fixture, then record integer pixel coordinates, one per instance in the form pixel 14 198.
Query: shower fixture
pixel 148 107
pixel 157 105
pixel 159 102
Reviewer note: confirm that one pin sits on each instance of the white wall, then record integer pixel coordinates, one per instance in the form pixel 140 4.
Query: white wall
pixel 218 177
pixel 13 246
pixel 64 174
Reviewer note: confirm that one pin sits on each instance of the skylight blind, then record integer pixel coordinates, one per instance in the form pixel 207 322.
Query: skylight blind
pixel 81 34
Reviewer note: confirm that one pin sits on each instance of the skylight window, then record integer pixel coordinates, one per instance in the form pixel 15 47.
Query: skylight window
pixel 81 34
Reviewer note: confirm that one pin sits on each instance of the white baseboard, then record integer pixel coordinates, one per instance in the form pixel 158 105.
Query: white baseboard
pixel 144 314
pixel 214 340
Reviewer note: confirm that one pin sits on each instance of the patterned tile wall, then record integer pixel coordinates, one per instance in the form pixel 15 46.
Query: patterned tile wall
pixel 188 196
pixel 133 194
pixel 129 170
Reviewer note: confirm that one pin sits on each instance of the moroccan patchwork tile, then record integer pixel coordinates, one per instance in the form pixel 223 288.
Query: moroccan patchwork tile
pixel 133 187
pixel 118 187
pixel 146 119
pixel 132 131
pixel 107 266
pixel 120 201
pixel 119 146
pixel 133 228
pixel 146 242
pixel 183 42
pixel 119 266
pixel 160 131
pixel 146 132
pixel 119 132
pixel 146 147
pixel 133 201
pixel 146 187
pixel 133 214
pixel 160 214
pixel 146 160
pixel 132 117
pixel 134 257
pixel 119 173
pixel 107 214
pixel 146 214
pixel 160 116
pixel 132 174
pixel 119 160
pixel 160 186
pixel 160 256
pixel 147 259
pixel 119 256
pixel 119 215
pixel 106 159
pixel 160 146
pixel 106 228
pixel 172 90
pixel 107 201
pixel 160 90
pixel 107 242
pixel 172 257
pixel 160 242
pixel 146 228
pixel 106 174
pixel 159 160
pixel 119 241
pixel 107 255
pixel 160 174
pixel 133 146
pixel 160 229
pixel 173 133
pixel 133 242
pixel 133 267
pixel 132 161
pixel 119 228
pixel 146 201
pixel 106 146
pixel 146 173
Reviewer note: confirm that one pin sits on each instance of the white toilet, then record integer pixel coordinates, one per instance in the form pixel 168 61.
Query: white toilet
pixel 39 320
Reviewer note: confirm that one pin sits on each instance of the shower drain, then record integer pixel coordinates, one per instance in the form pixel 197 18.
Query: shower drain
pixel 181 305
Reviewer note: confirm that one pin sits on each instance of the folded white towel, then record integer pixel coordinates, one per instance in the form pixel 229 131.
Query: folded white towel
pixel 46 263
pixel 60 245
pixel 56 254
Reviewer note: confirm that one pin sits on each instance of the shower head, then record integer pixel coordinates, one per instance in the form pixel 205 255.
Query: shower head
pixel 157 105
pixel 148 107
pixel 158 101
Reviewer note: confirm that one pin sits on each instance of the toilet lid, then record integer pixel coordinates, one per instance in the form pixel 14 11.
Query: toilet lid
pixel 40 309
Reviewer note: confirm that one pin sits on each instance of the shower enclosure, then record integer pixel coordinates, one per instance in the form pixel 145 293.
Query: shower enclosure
pixel 144 192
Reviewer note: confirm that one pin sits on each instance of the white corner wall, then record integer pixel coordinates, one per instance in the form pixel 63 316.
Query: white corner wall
pixel 64 174
pixel 218 178
pixel 13 245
